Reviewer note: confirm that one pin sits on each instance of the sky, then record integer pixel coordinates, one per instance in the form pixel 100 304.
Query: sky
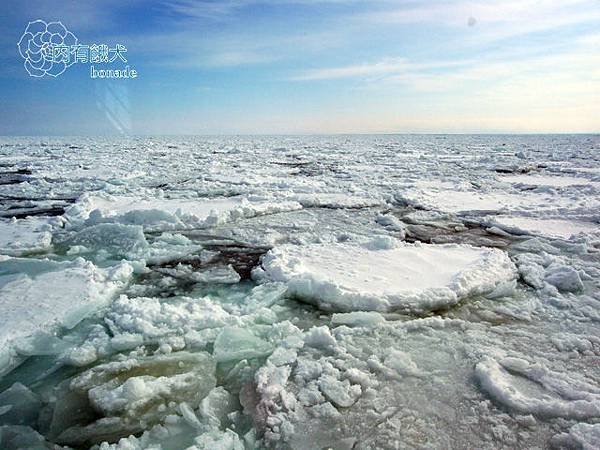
pixel 310 67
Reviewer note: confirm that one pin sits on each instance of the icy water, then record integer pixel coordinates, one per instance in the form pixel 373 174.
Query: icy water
pixel 344 292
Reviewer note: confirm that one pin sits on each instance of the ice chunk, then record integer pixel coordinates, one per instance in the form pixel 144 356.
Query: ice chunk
pixel 392 223
pixel 114 239
pixel 214 274
pixel 219 440
pixel 24 405
pixel 402 363
pixel 234 344
pixel 344 277
pixel 38 294
pixel 320 337
pixel 340 393
pixel 40 343
pixel 336 200
pixel 152 318
pixel 131 394
pixel 215 407
pixel 564 278
pixel 358 319
pixel 16 437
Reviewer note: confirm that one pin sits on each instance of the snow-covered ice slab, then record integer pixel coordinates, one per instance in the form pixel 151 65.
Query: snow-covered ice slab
pixel 336 200
pixel 470 201
pixel 547 180
pixel 37 294
pixel 174 213
pixel 18 237
pixel 393 276
pixel 555 228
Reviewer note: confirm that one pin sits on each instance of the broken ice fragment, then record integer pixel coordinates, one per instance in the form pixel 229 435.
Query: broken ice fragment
pixel 533 389
pixel 564 278
pixel 235 344
pixel 22 406
pixel 340 393
pixel 130 395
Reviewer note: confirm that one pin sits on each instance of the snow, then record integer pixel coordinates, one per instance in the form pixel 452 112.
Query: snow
pixel 344 277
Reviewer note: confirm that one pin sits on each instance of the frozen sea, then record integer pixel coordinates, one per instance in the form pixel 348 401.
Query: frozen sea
pixel 326 292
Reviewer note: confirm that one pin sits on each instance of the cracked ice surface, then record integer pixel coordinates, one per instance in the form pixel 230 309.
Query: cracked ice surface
pixel 347 292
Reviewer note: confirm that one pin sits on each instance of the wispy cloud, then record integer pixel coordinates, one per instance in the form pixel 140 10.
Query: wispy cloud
pixel 218 9
pixel 384 67
pixel 379 70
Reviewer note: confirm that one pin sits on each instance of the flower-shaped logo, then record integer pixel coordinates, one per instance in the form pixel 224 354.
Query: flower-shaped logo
pixel 46 48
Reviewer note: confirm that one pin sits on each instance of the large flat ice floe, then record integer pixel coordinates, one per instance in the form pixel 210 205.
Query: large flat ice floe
pixel 392 276
pixel 37 294
pixel 165 213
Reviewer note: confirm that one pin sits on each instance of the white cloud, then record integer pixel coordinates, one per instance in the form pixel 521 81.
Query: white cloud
pixel 218 9
pixel 494 19
pixel 384 67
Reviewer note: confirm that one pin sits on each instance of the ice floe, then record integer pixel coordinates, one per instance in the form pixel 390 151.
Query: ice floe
pixel 23 236
pixel 533 389
pixel 470 201
pixel 547 180
pixel 346 277
pixel 186 265
pixel 559 228
pixel 39 294
pixel 163 213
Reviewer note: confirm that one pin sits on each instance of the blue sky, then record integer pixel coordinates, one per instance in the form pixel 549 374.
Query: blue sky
pixel 312 66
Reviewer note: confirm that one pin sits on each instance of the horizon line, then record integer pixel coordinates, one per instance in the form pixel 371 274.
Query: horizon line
pixel 401 133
